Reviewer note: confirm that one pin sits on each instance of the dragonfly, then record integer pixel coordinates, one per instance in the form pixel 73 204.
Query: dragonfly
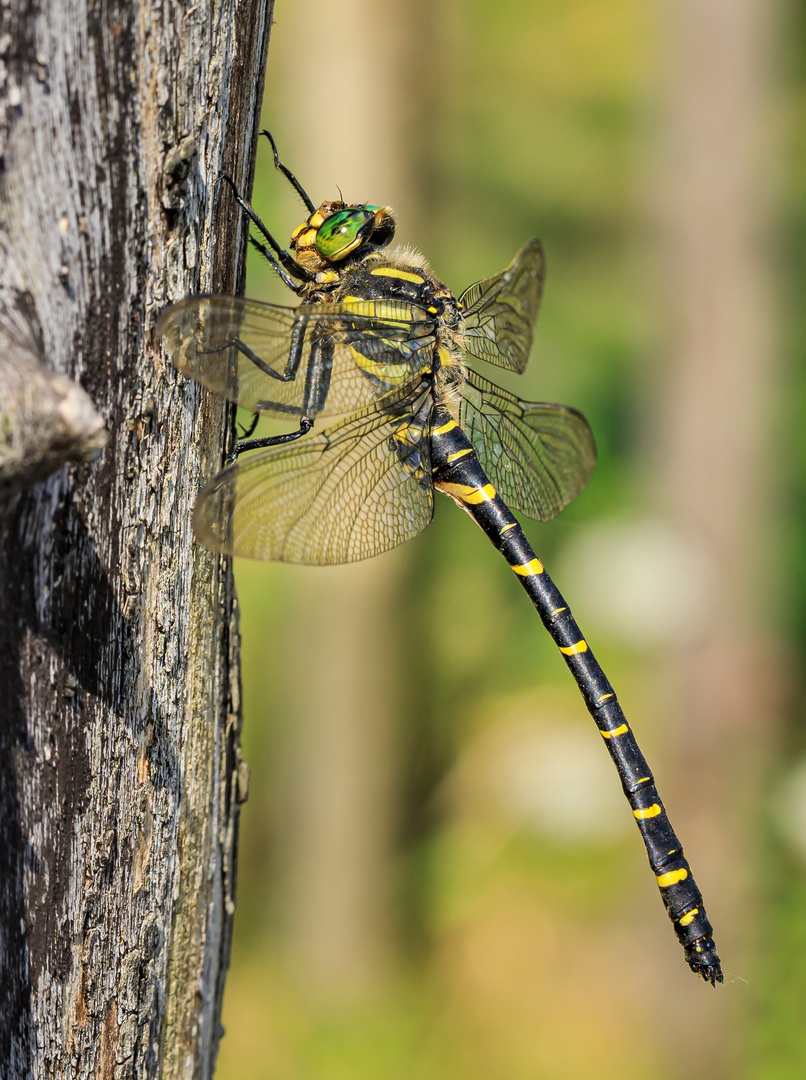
pixel 380 349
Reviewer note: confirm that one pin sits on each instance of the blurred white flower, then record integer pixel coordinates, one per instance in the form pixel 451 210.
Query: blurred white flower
pixel 537 766
pixel 559 781
pixel 641 580
pixel 789 807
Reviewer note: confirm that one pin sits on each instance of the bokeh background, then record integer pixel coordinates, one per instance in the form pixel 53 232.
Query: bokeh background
pixel 439 877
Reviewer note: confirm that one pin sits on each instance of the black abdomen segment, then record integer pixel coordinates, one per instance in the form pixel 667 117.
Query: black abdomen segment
pixel 458 473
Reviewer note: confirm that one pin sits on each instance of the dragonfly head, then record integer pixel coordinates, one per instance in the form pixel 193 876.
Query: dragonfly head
pixel 335 231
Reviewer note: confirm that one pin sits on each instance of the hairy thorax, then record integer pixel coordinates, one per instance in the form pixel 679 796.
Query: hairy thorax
pixel 404 275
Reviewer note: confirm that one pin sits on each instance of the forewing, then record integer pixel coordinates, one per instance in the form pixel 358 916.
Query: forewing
pixel 313 360
pixel 538 456
pixel 501 311
pixel 360 487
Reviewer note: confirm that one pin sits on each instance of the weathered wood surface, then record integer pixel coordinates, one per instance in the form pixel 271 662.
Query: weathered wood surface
pixel 46 419
pixel 120 771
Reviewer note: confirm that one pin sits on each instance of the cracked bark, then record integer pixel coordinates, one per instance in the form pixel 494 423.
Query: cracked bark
pixel 46 419
pixel 120 769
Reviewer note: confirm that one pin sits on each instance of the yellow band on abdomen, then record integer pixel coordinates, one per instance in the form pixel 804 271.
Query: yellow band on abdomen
pixel 616 731
pixel 571 650
pixel 672 878
pixel 466 493
pixel 481 495
pixel 529 569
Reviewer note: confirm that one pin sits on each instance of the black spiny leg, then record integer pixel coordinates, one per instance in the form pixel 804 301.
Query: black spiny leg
pixel 249 430
pixel 305 426
pixel 309 401
pixel 297 186
pixel 291 366
pixel 280 256
pixel 282 273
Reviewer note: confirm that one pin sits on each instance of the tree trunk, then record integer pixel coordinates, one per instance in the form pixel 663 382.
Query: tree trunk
pixel 120 770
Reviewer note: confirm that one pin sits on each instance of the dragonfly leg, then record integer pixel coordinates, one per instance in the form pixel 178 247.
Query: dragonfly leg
pixel 305 426
pixel 291 367
pixel 282 273
pixel 249 430
pixel 290 264
pixel 297 186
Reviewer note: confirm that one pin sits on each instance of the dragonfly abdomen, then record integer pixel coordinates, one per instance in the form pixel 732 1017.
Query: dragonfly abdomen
pixel 457 472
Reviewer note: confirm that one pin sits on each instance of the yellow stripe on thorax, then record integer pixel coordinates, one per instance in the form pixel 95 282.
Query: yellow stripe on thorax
pixel 459 454
pixel 393 374
pixel 392 271
pixel 390 311
pixel 451 424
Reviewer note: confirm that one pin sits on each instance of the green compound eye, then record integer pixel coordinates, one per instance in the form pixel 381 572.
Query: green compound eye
pixel 343 232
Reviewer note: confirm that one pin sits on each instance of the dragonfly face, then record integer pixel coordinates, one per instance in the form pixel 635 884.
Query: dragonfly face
pixel 379 345
pixel 335 231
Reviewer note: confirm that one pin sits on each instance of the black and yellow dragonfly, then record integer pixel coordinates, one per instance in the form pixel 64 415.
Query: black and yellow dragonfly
pixel 379 347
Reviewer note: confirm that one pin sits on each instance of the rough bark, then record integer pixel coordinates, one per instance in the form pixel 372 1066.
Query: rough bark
pixel 46 419
pixel 120 771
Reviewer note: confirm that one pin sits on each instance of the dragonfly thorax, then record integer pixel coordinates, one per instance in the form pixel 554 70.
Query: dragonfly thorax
pixel 404 277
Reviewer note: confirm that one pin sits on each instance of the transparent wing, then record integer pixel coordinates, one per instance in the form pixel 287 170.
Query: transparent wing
pixel 314 360
pixel 501 311
pixel 538 456
pixel 360 487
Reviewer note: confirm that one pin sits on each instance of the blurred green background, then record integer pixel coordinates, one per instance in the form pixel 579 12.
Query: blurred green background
pixel 439 877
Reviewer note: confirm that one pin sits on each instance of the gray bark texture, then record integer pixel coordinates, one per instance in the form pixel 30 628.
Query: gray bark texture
pixel 120 768
pixel 46 419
